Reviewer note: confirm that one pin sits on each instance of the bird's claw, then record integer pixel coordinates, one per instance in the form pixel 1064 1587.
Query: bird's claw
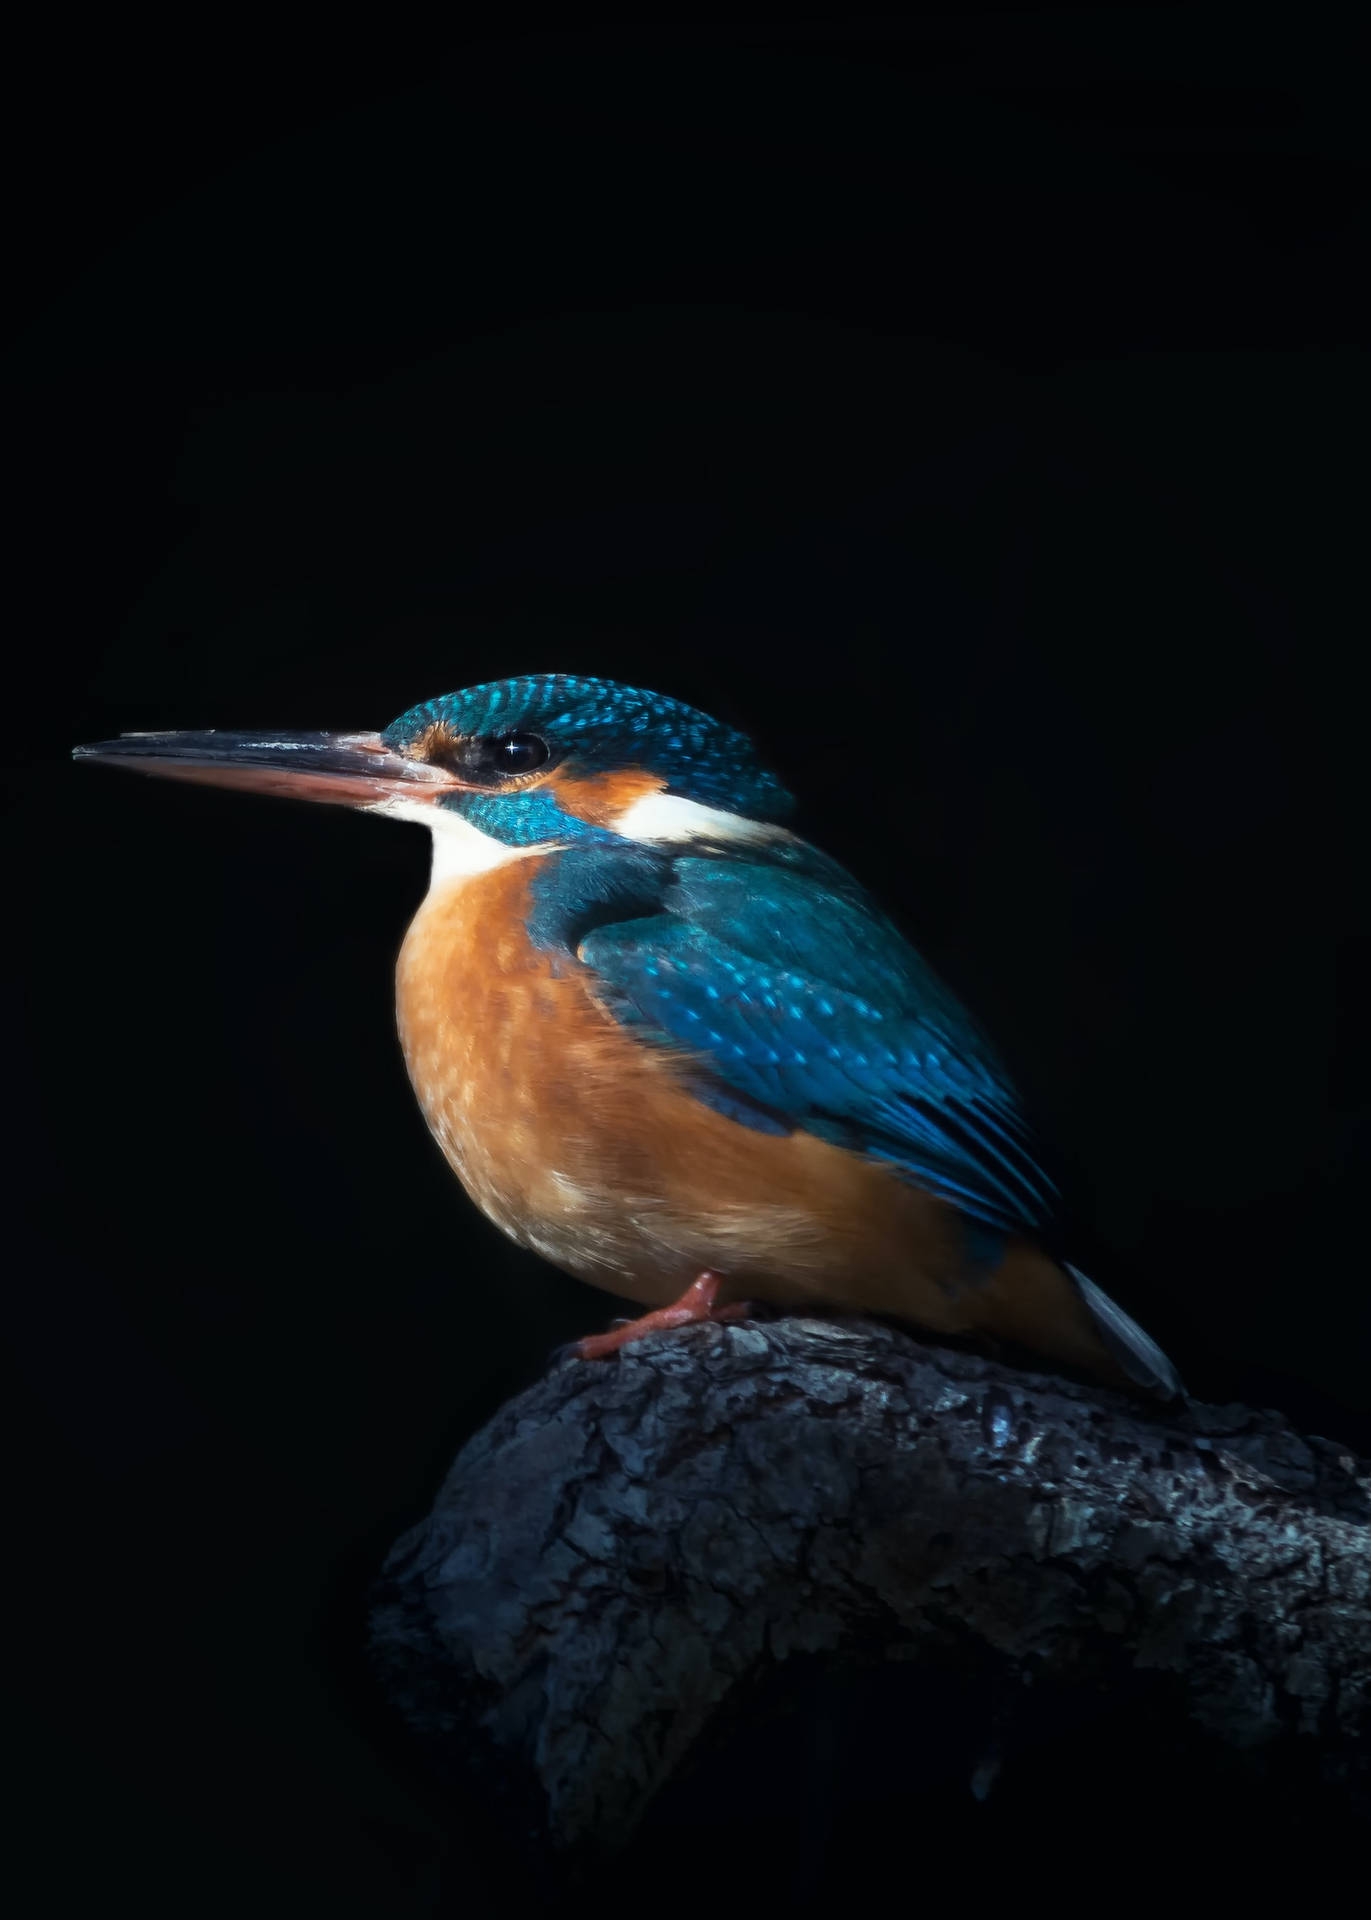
pixel 696 1303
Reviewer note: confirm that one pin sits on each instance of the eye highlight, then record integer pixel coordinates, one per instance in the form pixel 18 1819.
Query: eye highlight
pixel 519 752
pixel 492 759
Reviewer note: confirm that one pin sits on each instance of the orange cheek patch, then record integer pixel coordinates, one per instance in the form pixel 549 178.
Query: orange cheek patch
pixel 437 738
pixel 599 799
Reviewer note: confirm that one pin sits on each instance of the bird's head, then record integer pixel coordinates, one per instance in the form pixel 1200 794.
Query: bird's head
pixel 547 759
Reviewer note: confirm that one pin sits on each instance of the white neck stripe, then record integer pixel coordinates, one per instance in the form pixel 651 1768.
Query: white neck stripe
pixel 461 850
pixel 669 816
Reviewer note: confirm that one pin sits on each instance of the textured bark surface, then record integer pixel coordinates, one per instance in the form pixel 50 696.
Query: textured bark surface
pixel 621 1559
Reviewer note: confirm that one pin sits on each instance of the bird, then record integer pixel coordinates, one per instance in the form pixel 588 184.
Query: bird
pixel 674 1048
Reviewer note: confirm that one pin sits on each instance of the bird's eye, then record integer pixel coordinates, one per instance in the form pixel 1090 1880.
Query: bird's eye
pixel 519 752
pixel 491 759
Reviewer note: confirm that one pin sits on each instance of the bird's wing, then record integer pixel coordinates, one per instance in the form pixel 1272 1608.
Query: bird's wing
pixel 800 1005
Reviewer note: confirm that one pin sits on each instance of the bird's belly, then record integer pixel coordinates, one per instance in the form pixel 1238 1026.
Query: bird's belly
pixel 587 1145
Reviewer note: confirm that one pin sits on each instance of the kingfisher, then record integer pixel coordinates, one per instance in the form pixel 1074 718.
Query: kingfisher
pixel 673 1048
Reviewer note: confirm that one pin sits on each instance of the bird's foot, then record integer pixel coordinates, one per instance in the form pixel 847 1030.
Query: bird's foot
pixel 696 1303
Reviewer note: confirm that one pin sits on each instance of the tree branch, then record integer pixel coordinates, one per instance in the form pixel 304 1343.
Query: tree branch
pixel 619 1558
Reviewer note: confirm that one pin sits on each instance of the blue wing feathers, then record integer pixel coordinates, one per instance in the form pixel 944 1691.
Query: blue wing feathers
pixel 802 1006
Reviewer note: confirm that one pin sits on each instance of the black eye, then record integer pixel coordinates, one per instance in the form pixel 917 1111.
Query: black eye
pixel 490 759
pixel 518 752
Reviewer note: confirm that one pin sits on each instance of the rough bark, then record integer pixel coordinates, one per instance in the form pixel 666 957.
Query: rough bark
pixel 619 1558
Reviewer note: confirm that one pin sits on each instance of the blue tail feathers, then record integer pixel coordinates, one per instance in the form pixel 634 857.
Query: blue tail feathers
pixel 1139 1355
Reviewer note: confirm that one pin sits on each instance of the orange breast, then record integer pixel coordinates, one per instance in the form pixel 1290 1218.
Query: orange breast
pixel 586 1145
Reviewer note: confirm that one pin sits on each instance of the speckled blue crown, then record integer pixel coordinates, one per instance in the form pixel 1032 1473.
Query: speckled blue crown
pixel 601 724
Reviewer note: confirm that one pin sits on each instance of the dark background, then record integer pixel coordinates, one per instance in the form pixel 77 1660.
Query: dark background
pixel 976 412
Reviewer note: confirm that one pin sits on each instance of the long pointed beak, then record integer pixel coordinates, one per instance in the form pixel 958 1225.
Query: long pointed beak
pixel 347 769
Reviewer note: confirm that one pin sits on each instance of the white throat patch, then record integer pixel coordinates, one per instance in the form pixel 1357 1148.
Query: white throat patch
pixel 460 850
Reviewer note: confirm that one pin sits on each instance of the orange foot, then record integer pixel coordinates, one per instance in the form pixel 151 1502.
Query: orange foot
pixel 696 1303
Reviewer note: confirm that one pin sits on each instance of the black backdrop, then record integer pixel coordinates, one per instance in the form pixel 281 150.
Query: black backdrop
pixel 977 413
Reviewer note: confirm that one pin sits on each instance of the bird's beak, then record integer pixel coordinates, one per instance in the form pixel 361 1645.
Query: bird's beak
pixel 348 769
